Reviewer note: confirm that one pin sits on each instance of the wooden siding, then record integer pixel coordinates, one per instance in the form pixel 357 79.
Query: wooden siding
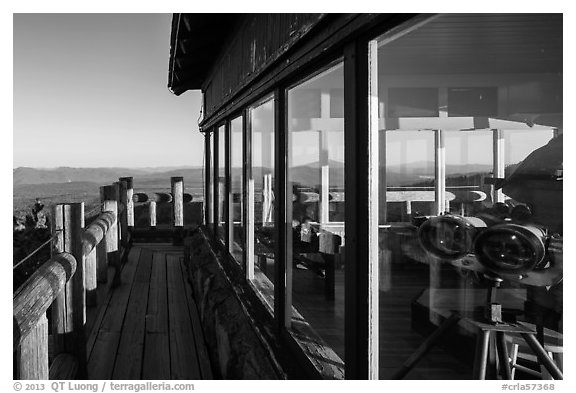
pixel 259 41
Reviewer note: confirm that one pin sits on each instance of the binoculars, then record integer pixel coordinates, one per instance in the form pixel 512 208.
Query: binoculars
pixel 486 243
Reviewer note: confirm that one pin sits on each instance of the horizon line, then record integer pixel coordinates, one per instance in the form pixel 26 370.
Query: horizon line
pixel 107 167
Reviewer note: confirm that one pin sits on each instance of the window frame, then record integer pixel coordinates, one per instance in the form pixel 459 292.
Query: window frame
pixel 255 281
pixel 207 182
pixel 219 240
pixel 230 201
pixel 284 181
pixel 385 35
pixel 228 223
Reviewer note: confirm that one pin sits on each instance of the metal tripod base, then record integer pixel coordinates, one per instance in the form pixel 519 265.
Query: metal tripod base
pixel 485 360
pixel 485 363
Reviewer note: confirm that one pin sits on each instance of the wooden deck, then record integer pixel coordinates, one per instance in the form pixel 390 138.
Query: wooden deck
pixel 148 327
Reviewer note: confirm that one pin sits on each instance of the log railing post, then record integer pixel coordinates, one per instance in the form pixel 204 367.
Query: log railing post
pixel 90 278
pixel 69 309
pixel 102 261
pixel 119 214
pixel 109 200
pixel 93 236
pixel 32 356
pixel 177 185
pixel 152 212
pixel 129 200
pixel 123 217
pixel 58 308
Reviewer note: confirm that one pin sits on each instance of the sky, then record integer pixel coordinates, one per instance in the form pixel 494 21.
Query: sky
pixel 90 90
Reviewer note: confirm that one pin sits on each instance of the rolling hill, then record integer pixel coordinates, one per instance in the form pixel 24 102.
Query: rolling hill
pixel 65 184
pixel 26 175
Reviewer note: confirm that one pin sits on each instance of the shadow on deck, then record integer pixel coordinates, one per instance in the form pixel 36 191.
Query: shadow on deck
pixel 148 327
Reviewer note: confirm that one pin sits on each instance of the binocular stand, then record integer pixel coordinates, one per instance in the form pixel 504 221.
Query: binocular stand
pixel 491 353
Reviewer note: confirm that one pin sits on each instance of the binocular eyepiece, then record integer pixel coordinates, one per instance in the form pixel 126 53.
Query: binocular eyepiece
pixel 500 246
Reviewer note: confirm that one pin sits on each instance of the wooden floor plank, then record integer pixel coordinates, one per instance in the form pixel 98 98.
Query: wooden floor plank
pixel 156 364
pixel 201 351
pixel 103 355
pixel 183 358
pixel 144 267
pixel 104 294
pixel 128 363
pixel 101 361
pixel 157 297
pixel 149 328
pixel 114 317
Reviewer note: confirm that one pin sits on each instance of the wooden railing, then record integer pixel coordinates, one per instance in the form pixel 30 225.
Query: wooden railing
pixel 177 198
pixel 67 284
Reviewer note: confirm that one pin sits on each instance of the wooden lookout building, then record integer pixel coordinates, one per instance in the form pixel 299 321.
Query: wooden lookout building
pixel 382 200
pixel 328 138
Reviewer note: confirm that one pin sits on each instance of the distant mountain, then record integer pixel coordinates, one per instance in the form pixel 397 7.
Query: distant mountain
pixel 428 167
pixel 193 177
pixel 26 175
pixel 403 175
pixel 308 174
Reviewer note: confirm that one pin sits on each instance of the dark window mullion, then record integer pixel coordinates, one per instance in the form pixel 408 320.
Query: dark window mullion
pixel 359 283
pixel 248 198
pixel 207 191
pixel 282 295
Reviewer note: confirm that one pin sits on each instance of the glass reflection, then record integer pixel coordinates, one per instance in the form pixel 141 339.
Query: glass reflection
pixel 470 112
pixel 316 178
pixel 221 181
pixel 211 182
pixel 262 227
pixel 236 182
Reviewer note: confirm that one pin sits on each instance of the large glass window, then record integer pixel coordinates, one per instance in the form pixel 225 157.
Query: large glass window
pixel 221 181
pixel 262 225
pixel 211 182
pixel 316 206
pixel 470 192
pixel 236 162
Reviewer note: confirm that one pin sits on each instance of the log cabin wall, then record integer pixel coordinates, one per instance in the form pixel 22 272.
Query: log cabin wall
pixel 242 56
pixel 259 41
pixel 247 45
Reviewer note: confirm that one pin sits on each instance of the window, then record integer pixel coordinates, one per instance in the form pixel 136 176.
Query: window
pixel 210 173
pixel 316 206
pixel 236 203
pixel 470 119
pixel 261 231
pixel 221 182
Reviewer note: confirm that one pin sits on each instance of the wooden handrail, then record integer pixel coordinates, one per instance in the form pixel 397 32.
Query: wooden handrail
pixel 67 285
pixel 96 231
pixel 160 197
pixel 92 242
pixel 39 292
pixel 54 284
pixel 177 197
